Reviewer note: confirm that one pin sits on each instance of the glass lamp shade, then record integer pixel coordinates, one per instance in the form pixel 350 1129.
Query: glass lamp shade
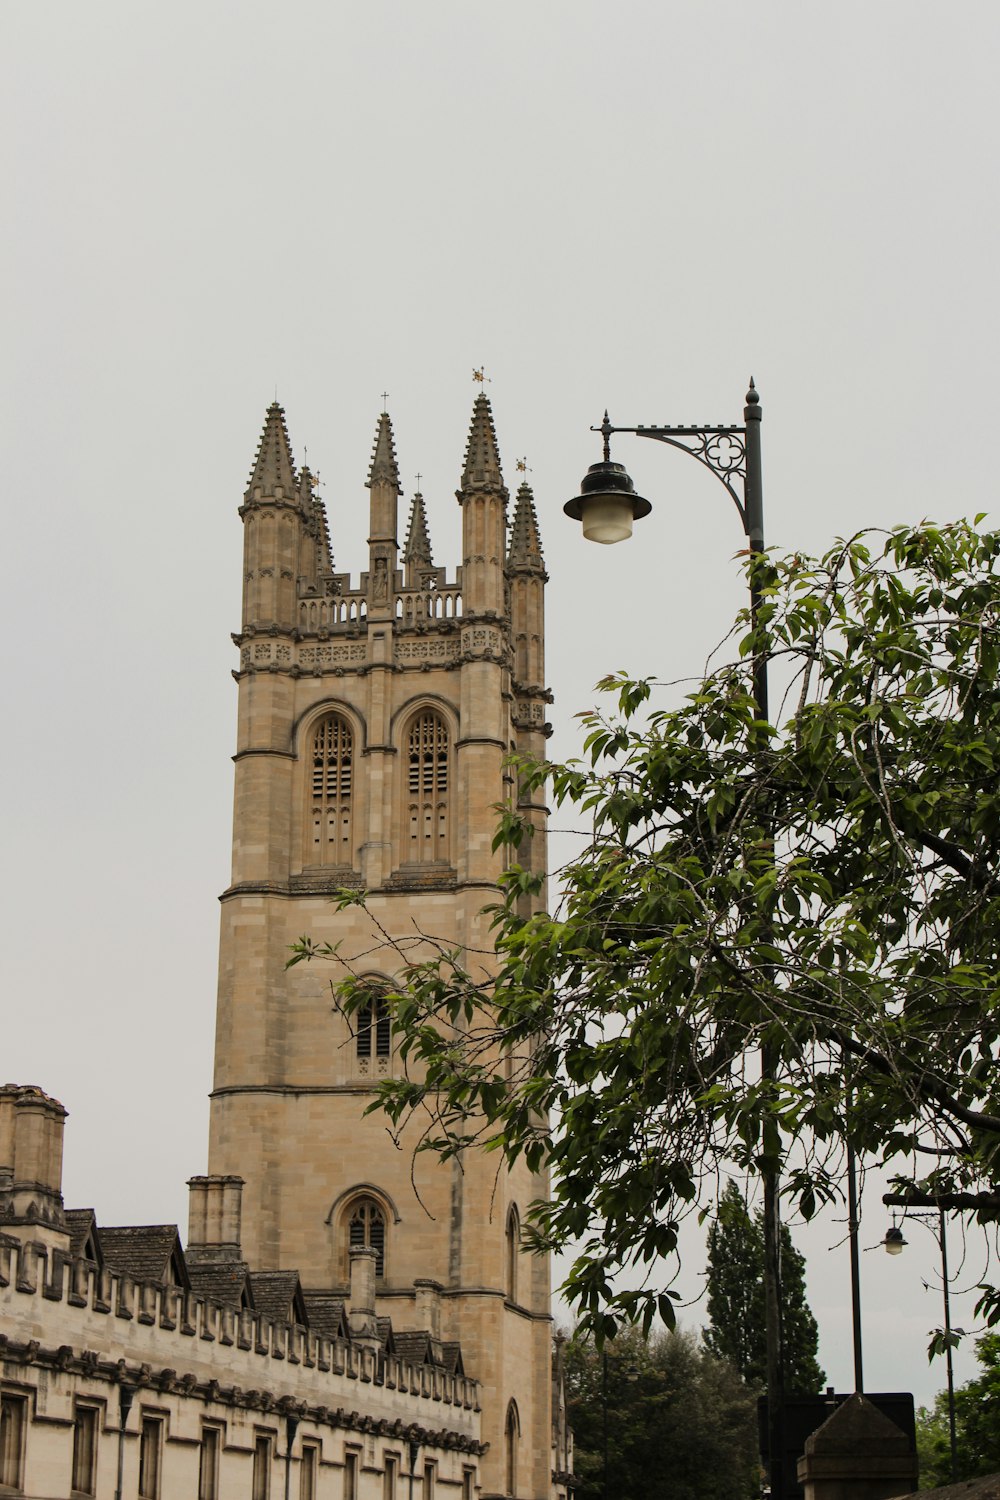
pixel 607 518
pixel 894 1241
pixel 607 504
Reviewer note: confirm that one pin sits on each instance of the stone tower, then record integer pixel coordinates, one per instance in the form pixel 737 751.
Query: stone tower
pixel 375 722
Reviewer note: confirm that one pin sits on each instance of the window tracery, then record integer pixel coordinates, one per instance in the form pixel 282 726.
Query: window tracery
pixel 428 789
pixel 330 790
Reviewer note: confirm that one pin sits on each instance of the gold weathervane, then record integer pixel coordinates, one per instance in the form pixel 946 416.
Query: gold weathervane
pixel 480 376
pixel 523 466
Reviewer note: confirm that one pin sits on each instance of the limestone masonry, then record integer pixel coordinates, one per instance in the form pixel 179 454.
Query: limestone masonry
pixel 331 1328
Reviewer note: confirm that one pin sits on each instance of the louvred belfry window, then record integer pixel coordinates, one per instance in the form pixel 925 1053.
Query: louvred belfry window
pixel 366 1230
pixel 427 787
pixel 374 1024
pixel 332 767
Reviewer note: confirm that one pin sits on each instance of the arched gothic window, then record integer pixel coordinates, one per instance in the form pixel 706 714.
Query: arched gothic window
pixel 366 1230
pixel 512 1434
pixel 512 1249
pixel 330 792
pixel 427 789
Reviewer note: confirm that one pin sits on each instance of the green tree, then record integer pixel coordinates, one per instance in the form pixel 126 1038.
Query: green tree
pixel 826 887
pixel 680 1424
pixel 977 1424
pixel 735 1330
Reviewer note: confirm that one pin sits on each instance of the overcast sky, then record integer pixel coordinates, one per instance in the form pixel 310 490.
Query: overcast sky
pixel 635 205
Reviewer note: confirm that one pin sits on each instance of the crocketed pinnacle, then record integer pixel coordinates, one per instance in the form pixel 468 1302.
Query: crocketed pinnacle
pixel 273 464
pixel 482 457
pixel 525 551
pixel 315 512
pixel 384 469
pixel 418 541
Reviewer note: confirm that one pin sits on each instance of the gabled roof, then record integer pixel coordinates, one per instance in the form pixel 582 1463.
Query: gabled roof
pixel 225 1282
pixel 326 1314
pixel 451 1358
pixel 84 1239
pixel 415 1347
pixel 146 1252
pixel 278 1295
pixel 385 1335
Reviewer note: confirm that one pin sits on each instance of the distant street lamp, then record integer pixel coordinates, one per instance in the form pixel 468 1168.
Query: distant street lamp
pixel 894 1245
pixel 607 507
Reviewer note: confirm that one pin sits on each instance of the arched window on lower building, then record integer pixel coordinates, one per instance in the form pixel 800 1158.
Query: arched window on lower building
pixel 512 1250
pixel 330 793
pixel 512 1437
pixel 365 1231
pixel 427 790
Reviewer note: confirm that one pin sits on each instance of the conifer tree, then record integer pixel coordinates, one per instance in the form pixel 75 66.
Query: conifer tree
pixel 736 1299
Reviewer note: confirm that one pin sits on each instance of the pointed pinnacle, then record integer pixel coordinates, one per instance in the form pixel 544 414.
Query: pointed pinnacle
pixel 525 550
pixel 274 464
pixel 482 457
pixel 753 399
pixel 418 541
pixel 383 468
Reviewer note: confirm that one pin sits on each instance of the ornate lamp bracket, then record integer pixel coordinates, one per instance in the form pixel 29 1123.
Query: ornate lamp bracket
pixel 721 450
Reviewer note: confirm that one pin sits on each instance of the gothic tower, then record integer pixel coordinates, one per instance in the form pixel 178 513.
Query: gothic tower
pixel 375 723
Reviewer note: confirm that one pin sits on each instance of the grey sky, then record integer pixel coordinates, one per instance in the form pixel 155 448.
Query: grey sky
pixel 633 205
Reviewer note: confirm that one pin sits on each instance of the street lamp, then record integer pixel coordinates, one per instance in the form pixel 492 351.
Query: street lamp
pixel 607 506
pixel 894 1244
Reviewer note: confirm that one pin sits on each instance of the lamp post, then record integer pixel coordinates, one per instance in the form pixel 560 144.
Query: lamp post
pixel 607 507
pixel 894 1244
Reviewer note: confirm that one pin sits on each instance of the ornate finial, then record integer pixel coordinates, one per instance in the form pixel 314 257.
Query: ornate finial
pixel 606 430
pixel 522 466
pixel 480 376
pixel 753 399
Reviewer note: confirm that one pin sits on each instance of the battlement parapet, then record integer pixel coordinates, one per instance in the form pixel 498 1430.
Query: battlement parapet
pixel 50 1299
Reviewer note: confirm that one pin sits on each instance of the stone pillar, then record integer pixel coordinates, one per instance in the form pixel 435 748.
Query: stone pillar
pixel 428 1307
pixel 857 1454
pixel 361 1310
pixel 214 1212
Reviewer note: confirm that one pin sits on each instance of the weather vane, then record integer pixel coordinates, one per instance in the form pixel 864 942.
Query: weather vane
pixel 385 398
pixel 480 376
pixel 419 477
pixel 523 466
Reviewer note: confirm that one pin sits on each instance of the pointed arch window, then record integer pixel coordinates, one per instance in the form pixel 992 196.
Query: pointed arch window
pixel 366 1230
pixel 512 1437
pixel 331 788
pixel 427 753
pixel 512 1249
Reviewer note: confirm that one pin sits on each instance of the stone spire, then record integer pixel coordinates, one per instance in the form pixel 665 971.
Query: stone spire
pixel 482 457
pixel 418 542
pixel 273 465
pixel 524 554
pixel 314 512
pixel 384 469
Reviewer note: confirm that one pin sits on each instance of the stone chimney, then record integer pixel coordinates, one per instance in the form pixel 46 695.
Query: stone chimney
pixel 427 1313
pixel 214 1218
pixel 361 1310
